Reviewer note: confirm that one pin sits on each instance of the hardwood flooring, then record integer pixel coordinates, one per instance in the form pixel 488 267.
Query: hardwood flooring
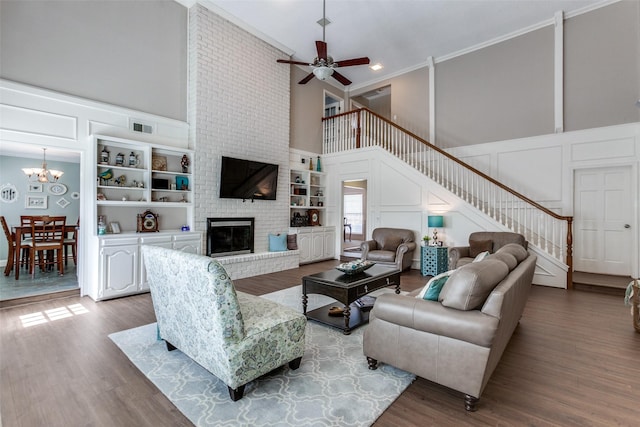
pixel 573 361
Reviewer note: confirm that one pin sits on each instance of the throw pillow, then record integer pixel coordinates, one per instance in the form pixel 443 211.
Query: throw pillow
pixel 481 256
pixel 477 246
pixel 470 285
pixel 277 242
pixel 436 282
pixel 292 242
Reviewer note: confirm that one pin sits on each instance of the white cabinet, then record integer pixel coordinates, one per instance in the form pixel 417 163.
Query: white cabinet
pixel 118 267
pixel 315 243
pixel 330 244
pixel 121 265
pixel 304 246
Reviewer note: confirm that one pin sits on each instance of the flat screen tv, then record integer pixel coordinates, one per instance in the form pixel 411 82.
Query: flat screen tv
pixel 248 179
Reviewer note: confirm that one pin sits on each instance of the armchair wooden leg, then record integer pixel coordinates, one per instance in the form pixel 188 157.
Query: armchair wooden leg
pixel 236 393
pixel 295 363
pixel 373 363
pixel 470 403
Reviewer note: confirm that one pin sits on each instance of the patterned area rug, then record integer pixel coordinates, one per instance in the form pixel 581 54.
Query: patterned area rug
pixel 332 387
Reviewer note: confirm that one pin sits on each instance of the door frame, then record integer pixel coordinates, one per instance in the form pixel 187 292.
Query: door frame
pixel 635 206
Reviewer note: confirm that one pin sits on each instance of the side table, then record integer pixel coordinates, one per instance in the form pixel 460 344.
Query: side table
pixel 434 260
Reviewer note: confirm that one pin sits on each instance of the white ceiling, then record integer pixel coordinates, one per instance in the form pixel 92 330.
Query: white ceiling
pixel 399 34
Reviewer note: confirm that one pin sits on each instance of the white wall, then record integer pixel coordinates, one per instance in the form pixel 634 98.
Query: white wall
pixel 237 111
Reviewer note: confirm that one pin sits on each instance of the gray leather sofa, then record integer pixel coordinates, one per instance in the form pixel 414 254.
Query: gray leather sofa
pixel 481 241
pixel 458 340
pixel 390 246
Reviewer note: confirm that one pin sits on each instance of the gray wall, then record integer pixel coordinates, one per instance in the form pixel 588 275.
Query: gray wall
pixel 504 91
pixel 602 54
pixel 127 53
pixel 307 110
pixel 409 103
pixel 11 173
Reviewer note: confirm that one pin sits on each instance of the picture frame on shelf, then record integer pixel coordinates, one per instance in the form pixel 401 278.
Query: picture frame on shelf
pixel 159 163
pixel 35 187
pixel 182 182
pixel 115 227
pixel 35 202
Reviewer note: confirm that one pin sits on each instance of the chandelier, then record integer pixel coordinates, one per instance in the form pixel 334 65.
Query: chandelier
pixel 42 174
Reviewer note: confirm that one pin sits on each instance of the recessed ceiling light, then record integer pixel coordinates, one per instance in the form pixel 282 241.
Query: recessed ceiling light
pixel 376 67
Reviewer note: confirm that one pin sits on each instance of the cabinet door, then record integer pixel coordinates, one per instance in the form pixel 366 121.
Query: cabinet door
pixel 304 245
pixel 144 282
pixel 191 246
pixel 329 244
pixel 317 246
pixel 119 267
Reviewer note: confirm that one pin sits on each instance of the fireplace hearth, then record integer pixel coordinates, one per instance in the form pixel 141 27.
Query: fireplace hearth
pixel 229 236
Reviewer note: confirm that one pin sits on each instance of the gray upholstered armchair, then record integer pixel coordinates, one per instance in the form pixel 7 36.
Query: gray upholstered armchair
pixel 482 241
pixel 236 336
pixel 392 246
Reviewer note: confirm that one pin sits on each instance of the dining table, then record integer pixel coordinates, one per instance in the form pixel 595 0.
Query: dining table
pixel 19 230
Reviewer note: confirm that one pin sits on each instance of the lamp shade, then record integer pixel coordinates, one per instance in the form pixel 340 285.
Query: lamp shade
pixel 435 221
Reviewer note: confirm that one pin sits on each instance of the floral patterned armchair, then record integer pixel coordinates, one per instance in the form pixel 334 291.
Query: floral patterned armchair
pixel 236 336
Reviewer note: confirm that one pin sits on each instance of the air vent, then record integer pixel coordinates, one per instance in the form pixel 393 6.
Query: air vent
pixel 138 126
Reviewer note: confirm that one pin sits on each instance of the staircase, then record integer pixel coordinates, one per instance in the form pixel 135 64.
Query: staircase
pixel 546 230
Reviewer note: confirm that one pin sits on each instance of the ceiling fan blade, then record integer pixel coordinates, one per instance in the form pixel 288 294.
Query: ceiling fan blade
pixel 321 47
pixel 339 77
pixel 355 61
pixel 306 79
pixel 285 61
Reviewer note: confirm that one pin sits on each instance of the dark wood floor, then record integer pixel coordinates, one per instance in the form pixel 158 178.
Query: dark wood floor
pixel 574 360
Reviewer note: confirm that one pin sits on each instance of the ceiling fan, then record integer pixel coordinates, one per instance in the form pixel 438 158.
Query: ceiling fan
pixel 323 65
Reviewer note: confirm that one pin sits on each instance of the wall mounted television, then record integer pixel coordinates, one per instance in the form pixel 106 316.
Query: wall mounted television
pixel 248 179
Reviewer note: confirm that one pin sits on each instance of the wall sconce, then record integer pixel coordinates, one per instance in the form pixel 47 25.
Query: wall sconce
pixel 434 221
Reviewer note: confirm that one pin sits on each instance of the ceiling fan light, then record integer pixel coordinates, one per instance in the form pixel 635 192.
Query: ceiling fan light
pixel 323 73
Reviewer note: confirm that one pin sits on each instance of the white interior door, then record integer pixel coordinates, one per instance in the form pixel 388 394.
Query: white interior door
pixel 603 214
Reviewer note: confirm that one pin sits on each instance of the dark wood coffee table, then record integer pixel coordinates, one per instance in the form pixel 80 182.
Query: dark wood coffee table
pixel 346 289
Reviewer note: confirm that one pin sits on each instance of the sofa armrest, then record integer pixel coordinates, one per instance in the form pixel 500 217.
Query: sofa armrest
pixel 403 248
pixel 366 246
pixel 455 253
pixel 430 316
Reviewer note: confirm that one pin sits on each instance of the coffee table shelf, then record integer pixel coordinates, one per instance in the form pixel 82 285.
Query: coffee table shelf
pixel 346 289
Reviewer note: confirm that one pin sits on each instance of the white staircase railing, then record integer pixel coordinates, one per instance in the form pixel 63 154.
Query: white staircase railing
pixel 550 232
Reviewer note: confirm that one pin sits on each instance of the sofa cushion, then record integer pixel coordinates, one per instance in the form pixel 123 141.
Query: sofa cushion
pixel 516 250
pixel 470 285
pixel 382 256
pixel 390 242
pixel 478 246
pixel 505 257
pixel 277 242
pixel 432 289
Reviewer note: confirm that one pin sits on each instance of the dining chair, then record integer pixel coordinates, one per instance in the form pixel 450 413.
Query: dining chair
pixel 25 240
pixel 11 242
pixel 71 242
pixel 47 234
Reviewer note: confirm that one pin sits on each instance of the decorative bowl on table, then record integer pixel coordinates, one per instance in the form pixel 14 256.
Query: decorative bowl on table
pixel 354 267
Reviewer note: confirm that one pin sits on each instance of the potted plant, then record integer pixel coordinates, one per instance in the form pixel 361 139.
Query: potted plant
pixel 425 240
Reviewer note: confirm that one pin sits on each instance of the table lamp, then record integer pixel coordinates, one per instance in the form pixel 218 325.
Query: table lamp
pixel 434 221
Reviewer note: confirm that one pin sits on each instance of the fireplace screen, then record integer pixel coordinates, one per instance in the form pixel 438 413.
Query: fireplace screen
pixel 229 236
